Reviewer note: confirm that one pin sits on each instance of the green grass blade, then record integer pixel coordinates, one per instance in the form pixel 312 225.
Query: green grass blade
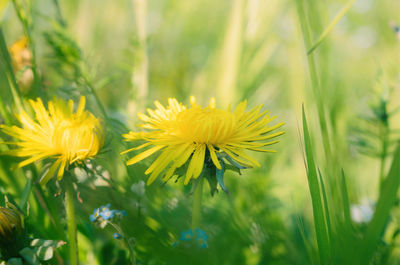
pixel 326 207
pixel 9 72
pixel 315 191
pixel 345 201
pixel 302 6
pixel 385 203
pixel 331 25
pixel 300 225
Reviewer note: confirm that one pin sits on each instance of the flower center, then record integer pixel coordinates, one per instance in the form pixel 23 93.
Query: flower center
pixel 205 125
pixel 77 139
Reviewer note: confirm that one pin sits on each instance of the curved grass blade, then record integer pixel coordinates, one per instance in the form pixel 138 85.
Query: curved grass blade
pixel 331 25
pixel 320 224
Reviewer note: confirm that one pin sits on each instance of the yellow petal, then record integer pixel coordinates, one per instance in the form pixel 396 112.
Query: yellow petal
pixel 235 157
pixel 196 164
pixel 31 160
pixel 214 157
pixel 61 169
pixel 81 106
pixel 143 155
pixel 136 148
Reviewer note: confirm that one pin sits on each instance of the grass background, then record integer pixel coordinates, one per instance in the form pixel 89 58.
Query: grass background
pixel 131 54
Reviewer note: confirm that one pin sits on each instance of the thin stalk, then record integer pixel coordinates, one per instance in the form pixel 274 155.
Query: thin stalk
pixel 4 113
pixel 331 25
pixel 197 197
pixel 315 83
pixel 140 71
pixel 10 73
pixel 26 192
pixel 71 224
pixel 96 97
pixel 126 242
pixel 59 13
pixel 385 140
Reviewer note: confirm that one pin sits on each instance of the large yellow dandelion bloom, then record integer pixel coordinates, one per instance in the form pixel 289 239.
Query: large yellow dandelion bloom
pixel 200 138
pixel 58 133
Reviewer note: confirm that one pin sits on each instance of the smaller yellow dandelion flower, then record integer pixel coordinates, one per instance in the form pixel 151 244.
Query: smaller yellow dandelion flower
pixel 201 139
pixel 21 58
pixel 58 133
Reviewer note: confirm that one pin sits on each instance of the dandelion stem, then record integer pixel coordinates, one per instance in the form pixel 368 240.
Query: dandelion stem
pixel 196 211
pixel 71 223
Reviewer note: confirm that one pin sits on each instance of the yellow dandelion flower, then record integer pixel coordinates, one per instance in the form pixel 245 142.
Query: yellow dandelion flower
pixel 58 133
pixel 197 138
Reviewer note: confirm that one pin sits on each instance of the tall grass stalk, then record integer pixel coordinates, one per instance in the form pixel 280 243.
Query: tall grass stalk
pixel 315 83
pixel 384 152
pixel 10 73
pixel 230 53
pixel 140 70
pixel 331 25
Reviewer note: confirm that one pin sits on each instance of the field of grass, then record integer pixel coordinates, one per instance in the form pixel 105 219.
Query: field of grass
pixel 329 70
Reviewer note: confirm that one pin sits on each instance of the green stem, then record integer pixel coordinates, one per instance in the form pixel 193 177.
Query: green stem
pixel 196 211
pixel 385 139
pixel 71 223
pixel 59 13
pixel 10 73
pixel 26 192
pixel 91 89
pixel 126 242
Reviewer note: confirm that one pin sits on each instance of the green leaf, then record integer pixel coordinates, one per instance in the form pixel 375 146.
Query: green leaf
pixel 315 191
pixel 46 243
pixel 29 256
pixel 345 200
pixel 386 200
pixel 25 193
pixel 45 253
pixel 13 261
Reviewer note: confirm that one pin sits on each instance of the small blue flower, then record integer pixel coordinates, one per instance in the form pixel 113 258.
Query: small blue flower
pixel 117 236
pixel 107 214
pixel 186 236
pixel 201 238
pixel 95 215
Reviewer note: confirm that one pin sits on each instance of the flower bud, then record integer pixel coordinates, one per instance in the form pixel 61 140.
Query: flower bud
pixel 10 226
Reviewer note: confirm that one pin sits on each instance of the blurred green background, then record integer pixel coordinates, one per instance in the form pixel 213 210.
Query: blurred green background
pixel 134 52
